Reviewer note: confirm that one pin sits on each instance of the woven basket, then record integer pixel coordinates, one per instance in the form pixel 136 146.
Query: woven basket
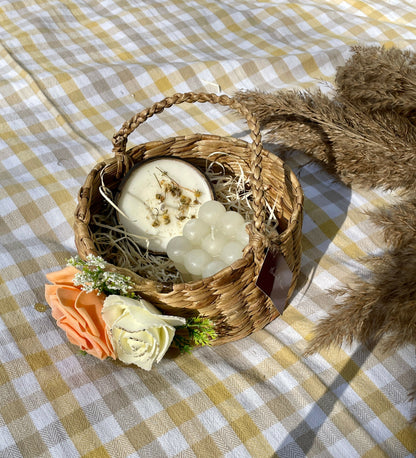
pixel 230 298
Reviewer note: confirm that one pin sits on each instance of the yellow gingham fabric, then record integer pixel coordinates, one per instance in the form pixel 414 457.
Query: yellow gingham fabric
pixel 71 72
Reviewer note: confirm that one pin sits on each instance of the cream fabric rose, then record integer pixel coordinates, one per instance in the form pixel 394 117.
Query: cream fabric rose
pixel 140 334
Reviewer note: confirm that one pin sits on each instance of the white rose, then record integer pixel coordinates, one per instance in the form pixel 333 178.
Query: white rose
pixel 140 334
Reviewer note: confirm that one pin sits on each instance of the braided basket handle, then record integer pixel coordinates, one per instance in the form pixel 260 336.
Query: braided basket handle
pixel 124 162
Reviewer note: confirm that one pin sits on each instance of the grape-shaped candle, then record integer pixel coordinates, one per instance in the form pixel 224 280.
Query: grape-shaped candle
pixel 210 242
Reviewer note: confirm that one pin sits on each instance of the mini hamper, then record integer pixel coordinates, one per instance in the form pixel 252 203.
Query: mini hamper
pixel 230 298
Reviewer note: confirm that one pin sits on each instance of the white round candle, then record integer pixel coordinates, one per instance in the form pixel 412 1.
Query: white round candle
pixel 158 197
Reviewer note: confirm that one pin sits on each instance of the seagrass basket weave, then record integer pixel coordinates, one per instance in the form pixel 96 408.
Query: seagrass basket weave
pixel 230 298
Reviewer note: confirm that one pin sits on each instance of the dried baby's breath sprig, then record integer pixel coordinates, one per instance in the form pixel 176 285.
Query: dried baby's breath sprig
pixel 201 332
pixel 93 276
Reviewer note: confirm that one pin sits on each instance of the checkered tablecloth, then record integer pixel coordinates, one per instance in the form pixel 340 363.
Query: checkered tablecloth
pixel 71 72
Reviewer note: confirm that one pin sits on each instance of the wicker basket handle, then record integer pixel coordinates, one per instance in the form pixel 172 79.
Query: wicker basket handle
pixel 123 161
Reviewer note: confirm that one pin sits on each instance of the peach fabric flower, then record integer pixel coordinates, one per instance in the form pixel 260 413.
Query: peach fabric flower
pixel 78 313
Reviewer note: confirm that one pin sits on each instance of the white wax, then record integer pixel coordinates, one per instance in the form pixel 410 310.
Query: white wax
pixel 231 252
pixel 158 197
pixel 211 212
pixel 196 260
pixel 210 242
pixel 195 229
pixel 214 243
pixel 177 247
pixel 230 223
pixel 213 267
pixel 184 272
pixel 242 235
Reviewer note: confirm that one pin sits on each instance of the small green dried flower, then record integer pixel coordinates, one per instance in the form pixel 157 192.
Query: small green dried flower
pixel 200 331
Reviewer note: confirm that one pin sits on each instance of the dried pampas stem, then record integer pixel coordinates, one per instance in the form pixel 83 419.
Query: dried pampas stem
pixel 366 135
pixel 350 142
pixel 380 79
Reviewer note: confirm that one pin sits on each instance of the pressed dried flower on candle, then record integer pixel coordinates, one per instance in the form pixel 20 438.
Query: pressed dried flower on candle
pixel 166 218
pixel 185 200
